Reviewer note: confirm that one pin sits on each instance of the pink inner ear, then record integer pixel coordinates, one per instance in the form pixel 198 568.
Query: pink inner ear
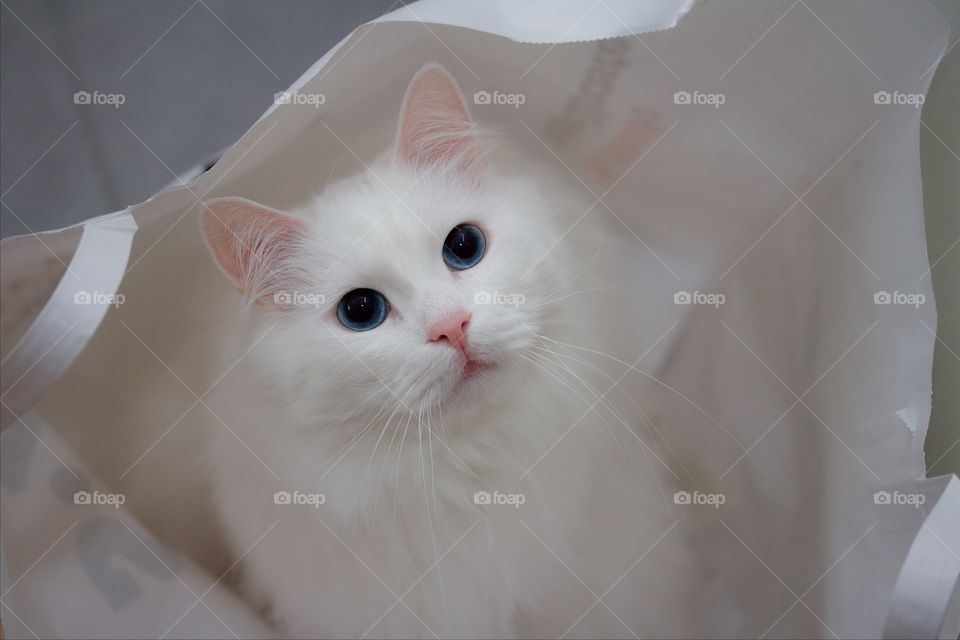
pixel 435 126
pixel 251 243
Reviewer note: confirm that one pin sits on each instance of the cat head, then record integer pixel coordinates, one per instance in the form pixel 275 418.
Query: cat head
pixel 420 281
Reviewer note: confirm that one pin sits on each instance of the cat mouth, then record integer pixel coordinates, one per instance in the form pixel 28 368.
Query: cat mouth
pixel 473 367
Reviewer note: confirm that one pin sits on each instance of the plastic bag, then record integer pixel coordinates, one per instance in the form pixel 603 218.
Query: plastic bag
pixel 765 160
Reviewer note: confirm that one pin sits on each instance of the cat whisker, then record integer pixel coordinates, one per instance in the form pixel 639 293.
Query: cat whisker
pixel 573 323
pixel 352 442
pixel 443 429
pixel 569 281
pixel 396 490
pixel 680 394
pixel 423 479
pixel 549 302
pixel 396 408
pixel 382 431
pixel 591 390
pixel 644 448
pixel 535 362
pixel 648 423
pixel 436 514
pixel 386 459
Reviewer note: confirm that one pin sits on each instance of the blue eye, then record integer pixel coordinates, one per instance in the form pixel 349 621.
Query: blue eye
pixel 362 309
pixel 464 247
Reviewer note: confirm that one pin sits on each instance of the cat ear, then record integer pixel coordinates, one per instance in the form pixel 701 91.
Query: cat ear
pixel 435 127
pixel 255 246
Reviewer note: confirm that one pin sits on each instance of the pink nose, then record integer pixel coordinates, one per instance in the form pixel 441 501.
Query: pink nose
pixel 452 328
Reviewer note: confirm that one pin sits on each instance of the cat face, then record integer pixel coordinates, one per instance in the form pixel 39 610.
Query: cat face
pixel 416 283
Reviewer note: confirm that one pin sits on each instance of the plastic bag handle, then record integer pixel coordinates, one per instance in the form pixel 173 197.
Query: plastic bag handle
pixel 70 317
pixel 926 597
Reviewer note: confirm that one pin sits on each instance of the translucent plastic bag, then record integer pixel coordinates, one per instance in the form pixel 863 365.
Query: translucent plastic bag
pixel 765 160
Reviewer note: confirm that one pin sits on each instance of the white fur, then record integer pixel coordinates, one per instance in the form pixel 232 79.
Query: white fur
pixel 383 425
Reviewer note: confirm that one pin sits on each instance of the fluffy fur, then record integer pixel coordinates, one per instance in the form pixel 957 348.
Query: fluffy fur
pixel 398 441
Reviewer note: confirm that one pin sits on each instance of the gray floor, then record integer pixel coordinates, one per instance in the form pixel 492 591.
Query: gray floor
pixel 194 74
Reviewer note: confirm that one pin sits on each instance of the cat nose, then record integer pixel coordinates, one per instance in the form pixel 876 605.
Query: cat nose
pixel 452 328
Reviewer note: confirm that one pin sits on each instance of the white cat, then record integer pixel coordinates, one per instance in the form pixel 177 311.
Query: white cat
pixel 425 390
